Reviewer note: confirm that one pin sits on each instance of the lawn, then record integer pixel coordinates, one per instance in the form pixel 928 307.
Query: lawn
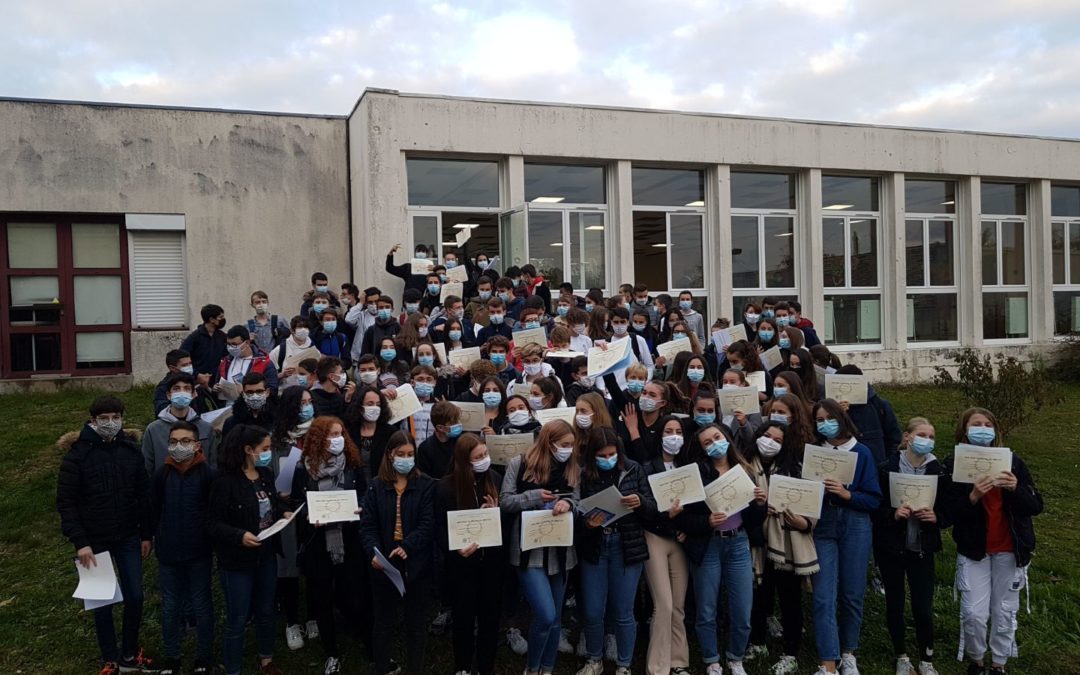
pixel 42 630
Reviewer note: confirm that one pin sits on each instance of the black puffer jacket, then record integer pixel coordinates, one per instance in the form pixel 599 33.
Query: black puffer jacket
pixel 234 510
pixel 103 492
pixel 630 480
pixel 890 534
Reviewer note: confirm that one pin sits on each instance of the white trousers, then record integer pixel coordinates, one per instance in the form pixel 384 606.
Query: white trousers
pixel 990 593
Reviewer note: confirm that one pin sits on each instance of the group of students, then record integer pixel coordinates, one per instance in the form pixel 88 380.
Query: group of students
pixel 206 479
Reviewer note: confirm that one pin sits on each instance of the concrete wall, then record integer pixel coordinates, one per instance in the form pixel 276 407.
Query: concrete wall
pixel 264 196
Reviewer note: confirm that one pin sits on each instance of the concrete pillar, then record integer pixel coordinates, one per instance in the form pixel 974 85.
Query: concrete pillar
pixel 620 224
pixel 969 222
pixel 893 277
pixel 810 248
pixel 512 178
pixel 1040 271
pixel 718 242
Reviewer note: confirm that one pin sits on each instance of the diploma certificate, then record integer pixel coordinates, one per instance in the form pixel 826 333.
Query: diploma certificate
pixel 801 497
pixel 546 415
pixel 850 388
pixel 504 448
pixel 331 506
pixel 743 398
pixel 534 336
pixel 972 462
pixel 482 527
pixel 405 404
pixel 820 463
pixel 731 492
pixel 683 484
pixel 472 415
pixel 543 528
pixel 464 357
pixel 603 360
pixel 916 492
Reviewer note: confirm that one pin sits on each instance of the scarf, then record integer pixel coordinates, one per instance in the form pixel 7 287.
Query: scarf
pixel 788 549
pixel 912 538
pixel 329 477
pixel 196 459
pixel 299 430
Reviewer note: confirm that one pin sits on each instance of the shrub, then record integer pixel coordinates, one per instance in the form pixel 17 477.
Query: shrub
pixel 1002 385
pixel 1067 363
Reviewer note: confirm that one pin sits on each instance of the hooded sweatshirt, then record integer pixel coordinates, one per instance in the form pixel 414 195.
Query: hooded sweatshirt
pixel 155 440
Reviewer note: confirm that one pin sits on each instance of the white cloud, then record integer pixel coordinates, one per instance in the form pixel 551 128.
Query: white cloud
pixel 519 46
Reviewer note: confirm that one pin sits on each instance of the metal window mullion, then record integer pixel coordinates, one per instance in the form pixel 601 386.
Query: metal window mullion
pixel 926 251
pixel 761 249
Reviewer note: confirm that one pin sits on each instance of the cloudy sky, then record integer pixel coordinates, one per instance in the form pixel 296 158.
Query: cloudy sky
pixel 994 65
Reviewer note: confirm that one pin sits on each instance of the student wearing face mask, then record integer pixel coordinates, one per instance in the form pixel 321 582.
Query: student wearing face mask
pixel 787 314
pixel 404 271
pixel 546 477
pixel 434 455
pixel 329 339
pixel 476 309
pixel 243 503
pixel 298 341
pixel 455 311
pixel 533 367
pixel 690 316
pixel 995 538
pixel 475 594
pixel 743 356
pixel 499 323
pixel 620 328
pixel 180 388
pixel 742 423
pixel 393 366
pixel 385 325
pixel 590 411
pixel 519 419
pixel 801 363
pixel 362 314
pixel 751 314
pixel 545 394
pixel 320 302
pixel 641 419
pixel 467 387
pixel 254 405
pixel 330 552
pixel 366 423
pixel 398 519
pixel 206 344
pixel 905 541
pixel 641 326
pixel 320 285
pixel 426 384
pixel 788 382
pixel 498 352
pixel 843 540
pixel 690 373
pixel 177 361
pixel 243 357
pixel 103 498
pixel 267 330
pixel 559 340
pixel 431 303
pixel 582 383
pixel 334 389
pixel 790 411
pixel 577 320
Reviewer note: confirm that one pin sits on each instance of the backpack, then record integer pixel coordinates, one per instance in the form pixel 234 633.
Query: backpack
pixel 275 330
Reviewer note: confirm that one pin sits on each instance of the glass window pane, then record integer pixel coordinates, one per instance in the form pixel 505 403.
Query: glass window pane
pixel 545 245
pixel 1057 251
pixel 835 262
pixel 668 187
pixel 930 196
pixel 762 190
pixel 557 183
pixel 426 233
pixel 942 250
pixel 852 319
pixel 1005 315
pixel 849 193
pixel 745 265
pixel 989 253
pixel 31 245
pixel 1013 254
pixel 650 252
pixel 32 352
pixel 864 261
pixel 587 250
pixel 34 290
pixel 687 252
pixel 452 182
pixel 1004 199
pixel 739 302
pixel 779 252
pixel 98 301
pixel 931 317
pixel 1074 253
pixel 1065 200
pixel 99 350
pixel 1066 312
pixel 95 244
pixel 916 272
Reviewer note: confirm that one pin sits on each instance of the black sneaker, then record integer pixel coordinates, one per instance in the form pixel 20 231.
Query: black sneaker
pixel 170 667
pixel 975 669
pixel 140 663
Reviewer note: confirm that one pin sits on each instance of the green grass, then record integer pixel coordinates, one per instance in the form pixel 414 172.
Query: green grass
pixel 42 630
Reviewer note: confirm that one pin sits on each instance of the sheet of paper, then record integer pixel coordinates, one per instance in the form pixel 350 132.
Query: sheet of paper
pixel 602 361
pixel 672 348
pixel 440 349
pixel 450 288
pixel 972 462
pixel 293 360
pixel 820 372
pixel 97 582
pixel 535 336
pixel 286 469
pixel 406 403
pixel 217 418
pixel 464 357
pixel 850 388
pixel 917 492
pixel 756 380
pixel 504 448
pixel 821 462
pixel 562 354
pixel 482 527
pixel 279 525
pixel 118 596
pixel 801 497
pixel 725 336
pixel 459 274
pixel 420 265
pixel 392 573
pixel 472 416
pixel 683 483
pixel 731 492
pixel 463 236
pixel 743 398
pixel 771 358
pixel 606 502
pixel 228 391
pixel 543 528
pixel 545 416
pixel 332 506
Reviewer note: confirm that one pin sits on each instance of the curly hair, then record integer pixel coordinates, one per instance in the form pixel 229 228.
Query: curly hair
pixel 315 452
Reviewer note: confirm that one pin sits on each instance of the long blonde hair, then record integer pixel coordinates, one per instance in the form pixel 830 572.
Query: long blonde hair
pixel 539 458
pixel 909 431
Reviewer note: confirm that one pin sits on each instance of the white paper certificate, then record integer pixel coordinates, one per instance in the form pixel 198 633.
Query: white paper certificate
pixel 504 448
pixel 464 357
pixel 543 528
pixel 482 527
pixel 801 497
pixel 450 288
pixel 916 492
pixel 458 273
pixel 420 266
pixel 850 388
pixel 549 414
pixel 440 349
pixel 603 360
pixel 743 398
pixel 331 506
pixel 672 348
pixel 972 462
pixel 607 502
pixel 725 336
pixel 406 403
pixel 820 463
pixel 280 525
pixel 472 416
pixel 97 582
pixel 683 483
pixel 771 358
pixel 530 336
pixel 756 380
pixel 731 492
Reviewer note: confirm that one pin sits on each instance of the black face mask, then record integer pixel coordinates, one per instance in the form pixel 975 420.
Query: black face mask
pixel 220 323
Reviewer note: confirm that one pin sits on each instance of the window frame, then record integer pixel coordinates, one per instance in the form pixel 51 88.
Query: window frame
pixel 848 288
pixel 566 210
pixel 1067 223
pixel 928 288
pixel 762 288
pixel 668 212
pixel 999 288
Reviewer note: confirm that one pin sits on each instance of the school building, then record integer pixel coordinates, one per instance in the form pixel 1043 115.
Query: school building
pixel 117 222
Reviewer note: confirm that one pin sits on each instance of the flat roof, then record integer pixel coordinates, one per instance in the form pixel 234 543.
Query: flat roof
pixel 151 106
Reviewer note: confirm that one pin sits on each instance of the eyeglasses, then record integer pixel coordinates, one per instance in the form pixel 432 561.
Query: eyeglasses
pixel 186 444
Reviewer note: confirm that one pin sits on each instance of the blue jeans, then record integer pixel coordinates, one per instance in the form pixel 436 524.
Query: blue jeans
pixel 186 587
pixel 727 561
pixel 842 538
pixel 609 585
pixel 545 594
pixel 127 555
pixel 249 592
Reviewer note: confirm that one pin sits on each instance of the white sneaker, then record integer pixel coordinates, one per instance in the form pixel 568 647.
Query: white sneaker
pixel 847 665
pixel 754 651
pixel 927 668
pixel 786 666
pixel 611 648
pixel 903 666
pixel 775 628
pixel 312 630
pixel 592 668
pixel 622 670
pixel 736 668
pixel 714 669
pixel 333 666
pixel 581 649
pixel 294 637
pixel 564 642
pixel 517 643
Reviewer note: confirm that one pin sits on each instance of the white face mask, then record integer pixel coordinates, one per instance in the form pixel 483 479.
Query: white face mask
pixel 563 454
pixel 369 376
pixel 534 368
pixel 672 444
pixel 372 412
pixel 481 465
pixel 579 328
pixel 342 380
pixel 519 418
pixel 768 447
pixel 583 421
pixel 337 445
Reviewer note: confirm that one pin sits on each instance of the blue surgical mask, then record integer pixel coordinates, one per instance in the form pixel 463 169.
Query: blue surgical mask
pixel 498 360
pixel 307 411
pixel 454 431
pixel 443 278
pixel 505 297
pixel 329 326
pixel 404 465
pixel 497 319
pixel 922 446
pixel 451 264
pixel 766 335
pixel 777 392
pixel 421 255
pixel 779 418
pixel 635 386
pixel 433 289
pixel 482 264
pixel 455 335
pixel 485 295
pixel 717 448
pixel 412 307
pixel 426 360
pixel 563 310
pixel 492 399
pixel 680 336
pixel 301 380
pixel 768 314
pixel 685 304
pixel 517 282
pixel 385 314
pixel 319 307
pixel 640 327
pixel 830 429
pixel 785 342
pixel 695 375
pixel 588 308
pixel 322 288
pixel 703 419
pixel 532 324
pixel 607 463
pixel 981 435
pixel 782 321
pixel 387 354
pixel 265 457
pixel 424 389
pixel 181 399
